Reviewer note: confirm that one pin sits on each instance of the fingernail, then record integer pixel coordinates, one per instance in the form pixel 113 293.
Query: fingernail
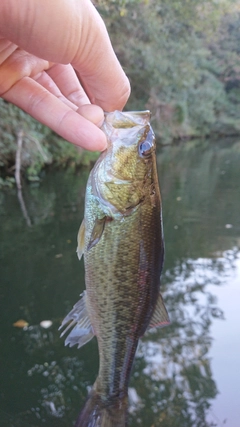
pixel 104 144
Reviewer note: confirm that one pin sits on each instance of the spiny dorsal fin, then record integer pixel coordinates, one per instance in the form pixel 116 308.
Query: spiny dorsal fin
pixel 81 240
pixel 82 331
pixel 160 316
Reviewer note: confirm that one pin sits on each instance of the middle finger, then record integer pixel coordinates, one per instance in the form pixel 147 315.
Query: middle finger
pixel 45 80
pixel 66 79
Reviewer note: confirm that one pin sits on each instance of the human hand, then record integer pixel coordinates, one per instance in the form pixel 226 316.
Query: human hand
pixel 44 46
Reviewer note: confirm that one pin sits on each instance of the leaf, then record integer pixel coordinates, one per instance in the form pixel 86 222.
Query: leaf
pixel 21 323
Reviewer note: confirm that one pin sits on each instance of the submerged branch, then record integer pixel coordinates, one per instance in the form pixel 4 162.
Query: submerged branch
pixel 23 207
pixel 18 177
pixel 18 159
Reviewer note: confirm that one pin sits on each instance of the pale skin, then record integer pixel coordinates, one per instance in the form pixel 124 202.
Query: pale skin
pixel 57 64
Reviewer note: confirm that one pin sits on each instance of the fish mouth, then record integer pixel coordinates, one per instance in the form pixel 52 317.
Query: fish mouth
pixel 123 120
pixel 125 128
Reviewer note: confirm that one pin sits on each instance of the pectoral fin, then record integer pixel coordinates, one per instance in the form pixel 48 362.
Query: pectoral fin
pixel 160 316
pixel 97 232
pixel 82 331
pixel 80 240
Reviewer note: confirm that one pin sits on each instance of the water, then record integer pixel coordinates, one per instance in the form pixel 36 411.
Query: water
pixel 185 375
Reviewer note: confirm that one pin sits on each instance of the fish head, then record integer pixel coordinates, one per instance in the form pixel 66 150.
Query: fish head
pixel 123 174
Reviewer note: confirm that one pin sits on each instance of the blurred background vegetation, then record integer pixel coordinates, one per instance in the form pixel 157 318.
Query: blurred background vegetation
pixel 183 61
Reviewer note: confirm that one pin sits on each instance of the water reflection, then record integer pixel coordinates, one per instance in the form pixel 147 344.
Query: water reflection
pixel 42 382
pixel 176 384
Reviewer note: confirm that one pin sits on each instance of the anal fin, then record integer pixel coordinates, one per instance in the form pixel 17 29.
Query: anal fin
pixel 160 316
pixel 82 331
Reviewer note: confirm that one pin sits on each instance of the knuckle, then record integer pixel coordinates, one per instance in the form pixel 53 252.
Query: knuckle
pixel 13 69
pixel 126 92
pixel 121 100
pixel 37 101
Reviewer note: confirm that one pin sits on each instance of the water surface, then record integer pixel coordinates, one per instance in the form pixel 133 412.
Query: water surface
pixel 185 375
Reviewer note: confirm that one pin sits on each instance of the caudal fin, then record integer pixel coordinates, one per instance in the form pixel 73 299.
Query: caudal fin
pixel 99 413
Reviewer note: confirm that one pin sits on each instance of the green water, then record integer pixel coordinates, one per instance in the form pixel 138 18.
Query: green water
pixel 185 375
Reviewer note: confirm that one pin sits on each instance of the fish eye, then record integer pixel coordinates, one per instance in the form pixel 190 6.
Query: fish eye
pixel 146 147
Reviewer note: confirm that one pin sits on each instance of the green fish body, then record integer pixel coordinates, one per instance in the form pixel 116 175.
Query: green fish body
pixel 121 238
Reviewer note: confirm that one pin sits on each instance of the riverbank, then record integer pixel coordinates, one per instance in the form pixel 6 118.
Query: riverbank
pixel 28 147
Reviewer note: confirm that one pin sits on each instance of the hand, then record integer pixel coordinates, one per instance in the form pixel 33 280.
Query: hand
pixel 58 65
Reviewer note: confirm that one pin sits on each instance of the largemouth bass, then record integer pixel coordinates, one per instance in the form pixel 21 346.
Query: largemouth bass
pixel 121 238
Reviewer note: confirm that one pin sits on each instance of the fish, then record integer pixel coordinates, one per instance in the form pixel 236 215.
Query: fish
pixel 121 238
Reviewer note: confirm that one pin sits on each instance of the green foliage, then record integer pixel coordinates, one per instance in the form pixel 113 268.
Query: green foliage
pixel 41 147
pixel 179 57
pixel 67 155
pixel 35 152
pixel 9 182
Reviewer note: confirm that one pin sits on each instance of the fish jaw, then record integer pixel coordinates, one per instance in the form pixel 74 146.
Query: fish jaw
pixel 121 120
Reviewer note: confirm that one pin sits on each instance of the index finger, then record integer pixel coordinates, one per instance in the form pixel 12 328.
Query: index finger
pixel 51 111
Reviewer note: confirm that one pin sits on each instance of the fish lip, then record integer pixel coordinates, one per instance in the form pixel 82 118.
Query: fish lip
pixel 142 113
pixel 117 123
pixel 119 119
pixel 137 123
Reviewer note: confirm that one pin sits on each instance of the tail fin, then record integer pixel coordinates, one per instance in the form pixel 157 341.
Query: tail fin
pixel 99 413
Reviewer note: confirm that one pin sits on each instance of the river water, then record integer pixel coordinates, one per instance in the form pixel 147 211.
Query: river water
pixel 185 375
